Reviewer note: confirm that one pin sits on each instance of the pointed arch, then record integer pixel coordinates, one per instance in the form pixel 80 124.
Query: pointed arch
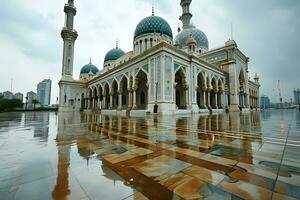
pixel 106 97
pixel 124 92
pixel 114 94
pixel 141 88
pixel 201 88
pixel 180 89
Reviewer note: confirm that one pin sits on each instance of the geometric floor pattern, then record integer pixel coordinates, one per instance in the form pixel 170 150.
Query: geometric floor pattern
pixel 252 155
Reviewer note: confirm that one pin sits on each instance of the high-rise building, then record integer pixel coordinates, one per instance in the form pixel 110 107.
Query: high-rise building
pixel 44 92
pixel 19 96
pixel 264 102
pixel 30 97
pixel 297 96
pixel 8 95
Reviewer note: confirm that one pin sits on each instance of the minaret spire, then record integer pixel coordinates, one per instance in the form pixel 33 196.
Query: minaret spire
pixel 186 15
pixel 152 9
pixel 69 36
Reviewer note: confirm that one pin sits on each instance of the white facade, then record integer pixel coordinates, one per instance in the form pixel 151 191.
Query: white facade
pixel 158 73
pixel 8 95
pixel 19 96
pixel 30 97
pixel 44 92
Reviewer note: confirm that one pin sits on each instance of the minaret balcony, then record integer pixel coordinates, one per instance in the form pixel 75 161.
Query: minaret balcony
pixel 69 34
pixel 70 9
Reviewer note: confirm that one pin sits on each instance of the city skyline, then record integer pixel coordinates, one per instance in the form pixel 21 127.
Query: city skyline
pixel 41 52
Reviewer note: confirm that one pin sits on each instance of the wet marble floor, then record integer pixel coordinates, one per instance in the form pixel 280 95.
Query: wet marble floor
pixel 90 156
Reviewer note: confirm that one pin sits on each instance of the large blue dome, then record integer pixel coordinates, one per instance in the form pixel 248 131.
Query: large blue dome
pixel 114 54
pixel 153 24
pixel 198 35
pixel 89 68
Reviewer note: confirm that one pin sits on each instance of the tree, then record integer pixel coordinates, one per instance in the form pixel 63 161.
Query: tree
pixel 34 101
pixel 10 105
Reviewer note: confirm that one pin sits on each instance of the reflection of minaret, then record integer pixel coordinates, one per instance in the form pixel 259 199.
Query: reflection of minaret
pixel 61 189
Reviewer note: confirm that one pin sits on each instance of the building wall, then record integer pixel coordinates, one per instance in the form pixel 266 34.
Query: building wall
pixel 297 96
pixel 44 92
pixel 8 95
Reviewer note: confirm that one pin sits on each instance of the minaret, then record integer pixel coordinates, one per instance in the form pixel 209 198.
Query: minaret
pixel 69 36
pixel 186 15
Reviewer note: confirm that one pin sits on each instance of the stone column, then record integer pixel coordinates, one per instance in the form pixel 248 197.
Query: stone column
pixel 134 106
pixel 99 102
pixel 120 100
pixel 104 102
pixel 208 99
pixel 129 99
pixel 216 100
pixel 204 98
pixel 111 100
pixel 187 102
pixel 89 103
pixel 85 103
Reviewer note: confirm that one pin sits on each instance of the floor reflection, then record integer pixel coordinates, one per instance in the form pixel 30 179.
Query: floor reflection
pixel 93 156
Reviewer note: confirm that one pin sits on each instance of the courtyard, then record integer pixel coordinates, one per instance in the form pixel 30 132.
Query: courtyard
pixel 48 155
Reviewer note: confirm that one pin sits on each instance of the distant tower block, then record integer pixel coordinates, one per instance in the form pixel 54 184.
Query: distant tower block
pixel 69 36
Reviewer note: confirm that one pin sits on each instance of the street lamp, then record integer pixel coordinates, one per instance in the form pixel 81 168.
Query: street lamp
pixel 26 103
pixel 155 106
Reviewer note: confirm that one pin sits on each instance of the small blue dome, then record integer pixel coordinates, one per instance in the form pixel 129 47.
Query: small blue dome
pixel 89 68
pixel 198 35
pixel 153 24
pixel 114 54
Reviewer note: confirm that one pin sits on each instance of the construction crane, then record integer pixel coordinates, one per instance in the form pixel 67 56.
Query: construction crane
pixel 280 96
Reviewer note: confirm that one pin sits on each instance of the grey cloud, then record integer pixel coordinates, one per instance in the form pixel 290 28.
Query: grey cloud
pixel 28 30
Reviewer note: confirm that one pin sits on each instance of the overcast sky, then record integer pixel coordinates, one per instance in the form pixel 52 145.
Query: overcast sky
pixel 31 47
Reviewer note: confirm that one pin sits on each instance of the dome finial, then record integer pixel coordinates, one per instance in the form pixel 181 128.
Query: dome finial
pixel 152 9
pixel 117 44
pixel 90 60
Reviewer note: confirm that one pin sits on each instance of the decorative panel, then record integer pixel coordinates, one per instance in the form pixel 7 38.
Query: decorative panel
pixel 168 78
pixel 159 78
pixel 152 80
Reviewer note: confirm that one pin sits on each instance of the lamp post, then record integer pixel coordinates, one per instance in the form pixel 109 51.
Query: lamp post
pixel 26 102
pixel 155 106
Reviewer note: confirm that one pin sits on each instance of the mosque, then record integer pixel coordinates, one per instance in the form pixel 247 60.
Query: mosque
pixel 162 74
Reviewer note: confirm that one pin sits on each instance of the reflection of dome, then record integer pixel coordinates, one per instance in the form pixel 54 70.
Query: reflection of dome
pixel 114 54
pixel 198 35
pixel 153 24
pixel 89 68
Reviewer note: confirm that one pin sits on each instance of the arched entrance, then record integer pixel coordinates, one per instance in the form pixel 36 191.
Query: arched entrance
pixel 180 90
pixel 114 95
pixel 213 93
pixel 95 98
pixel 106 98
pixel 141 90
pixel 100 97
pixel 201 91
pixel 124 93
